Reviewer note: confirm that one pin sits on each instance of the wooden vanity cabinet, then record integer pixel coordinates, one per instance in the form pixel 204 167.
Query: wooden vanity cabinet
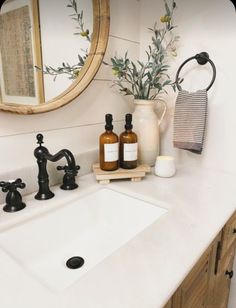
pixel 208 283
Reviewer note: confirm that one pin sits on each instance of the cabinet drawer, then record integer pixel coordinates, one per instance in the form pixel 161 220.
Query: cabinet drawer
pixel 229 235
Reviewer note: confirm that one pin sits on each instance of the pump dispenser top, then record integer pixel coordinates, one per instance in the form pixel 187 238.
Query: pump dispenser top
pixel 108 119
pixel 128 121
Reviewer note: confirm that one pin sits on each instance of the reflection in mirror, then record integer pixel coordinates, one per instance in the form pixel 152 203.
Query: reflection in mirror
pixel 66 30
pixel 59 49
pixel 19 37
pixel 52 52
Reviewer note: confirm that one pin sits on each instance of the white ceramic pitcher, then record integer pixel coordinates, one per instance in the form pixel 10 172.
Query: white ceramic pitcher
pixel 146 126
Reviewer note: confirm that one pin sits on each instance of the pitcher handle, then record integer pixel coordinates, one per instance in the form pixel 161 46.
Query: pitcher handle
pixel 164 110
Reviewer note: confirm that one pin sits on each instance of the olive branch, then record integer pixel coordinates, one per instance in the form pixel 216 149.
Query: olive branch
pixel 147 80
pixel 65 68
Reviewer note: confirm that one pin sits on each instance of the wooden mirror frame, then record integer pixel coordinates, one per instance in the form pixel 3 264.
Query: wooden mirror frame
pixel 101 24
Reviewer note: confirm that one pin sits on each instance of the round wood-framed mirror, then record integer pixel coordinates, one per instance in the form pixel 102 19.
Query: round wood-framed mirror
pixel 94 57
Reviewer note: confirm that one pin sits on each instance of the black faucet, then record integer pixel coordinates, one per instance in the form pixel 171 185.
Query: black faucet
pixel 71 170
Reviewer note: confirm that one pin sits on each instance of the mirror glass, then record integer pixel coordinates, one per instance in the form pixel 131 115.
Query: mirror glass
pixel 44 47
pixel 63 42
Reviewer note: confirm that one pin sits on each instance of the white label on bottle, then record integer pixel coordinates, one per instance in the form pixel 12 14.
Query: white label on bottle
pixel 130 151
pixel 111 152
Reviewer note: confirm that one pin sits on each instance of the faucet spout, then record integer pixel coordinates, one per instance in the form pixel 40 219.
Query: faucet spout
pixel 59 155
pixel 42 155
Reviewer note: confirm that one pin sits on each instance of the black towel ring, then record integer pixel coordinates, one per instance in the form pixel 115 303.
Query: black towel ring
pixel 202 58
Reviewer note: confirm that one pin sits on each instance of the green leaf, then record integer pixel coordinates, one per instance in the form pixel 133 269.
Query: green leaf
pixel 168 12
pixel 140 63
pixel 113 61
pixel 167 82
pixel 149 76
pixel 80 58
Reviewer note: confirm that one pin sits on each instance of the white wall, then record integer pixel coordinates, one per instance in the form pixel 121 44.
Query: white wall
pixel 203 26
pixel 78 125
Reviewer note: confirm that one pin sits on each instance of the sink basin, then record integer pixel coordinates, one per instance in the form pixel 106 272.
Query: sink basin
pixel 92 227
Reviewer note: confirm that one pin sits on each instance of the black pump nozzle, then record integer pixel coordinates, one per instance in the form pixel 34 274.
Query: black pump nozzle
pixel 108 119
pixel 128 121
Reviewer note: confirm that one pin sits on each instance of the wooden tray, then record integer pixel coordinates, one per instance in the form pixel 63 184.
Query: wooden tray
pixel 135 175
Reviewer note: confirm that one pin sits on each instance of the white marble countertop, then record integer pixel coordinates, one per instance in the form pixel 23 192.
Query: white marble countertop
pixel 146 271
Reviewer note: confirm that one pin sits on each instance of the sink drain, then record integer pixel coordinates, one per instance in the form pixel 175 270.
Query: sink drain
pixel 75 262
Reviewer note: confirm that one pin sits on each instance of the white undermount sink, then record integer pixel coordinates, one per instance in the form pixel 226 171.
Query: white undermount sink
pixel 92 227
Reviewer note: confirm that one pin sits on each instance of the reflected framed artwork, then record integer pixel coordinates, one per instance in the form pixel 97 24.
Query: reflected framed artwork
pixel 20 53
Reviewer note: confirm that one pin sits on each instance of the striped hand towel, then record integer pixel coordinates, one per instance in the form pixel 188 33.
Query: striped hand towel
pixel 190 120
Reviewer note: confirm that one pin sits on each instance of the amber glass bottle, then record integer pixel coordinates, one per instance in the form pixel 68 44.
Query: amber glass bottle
pixel 108 147
pixel 128 145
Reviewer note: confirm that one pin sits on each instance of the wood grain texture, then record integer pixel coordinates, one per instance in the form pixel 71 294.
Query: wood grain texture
pixel 135 175
pixel 208 285
pixel 169 304
pixel 193 291
pixel 229 235
pixel 222 281
pixel 37 50
pixel 101 24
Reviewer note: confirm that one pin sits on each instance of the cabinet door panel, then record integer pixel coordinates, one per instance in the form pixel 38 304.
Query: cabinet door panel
pixel 222 281
pixel 229 235
pixel 194 290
